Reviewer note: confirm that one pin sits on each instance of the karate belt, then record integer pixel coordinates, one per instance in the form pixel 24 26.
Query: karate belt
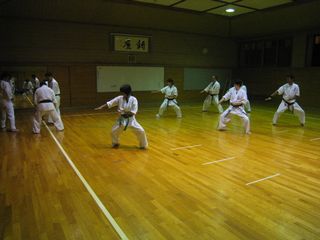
pixel 45 101
pixel 289 105
pixel 212 95
pixel 236 107
pixel 170 99
pixel 57 94
pixel 125 117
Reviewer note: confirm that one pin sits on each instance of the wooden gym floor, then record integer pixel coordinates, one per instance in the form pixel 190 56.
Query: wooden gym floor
pixel 192 183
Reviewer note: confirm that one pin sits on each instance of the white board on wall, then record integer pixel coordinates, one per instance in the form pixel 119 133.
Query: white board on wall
pixel 111 78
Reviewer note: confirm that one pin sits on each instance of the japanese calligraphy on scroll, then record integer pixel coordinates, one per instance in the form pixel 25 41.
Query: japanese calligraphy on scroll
pixel 130 43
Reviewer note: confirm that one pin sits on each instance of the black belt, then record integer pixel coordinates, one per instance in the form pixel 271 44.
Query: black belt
pixel 125 116
pixel 236 105
pixel 289 104
pixel 45 101
pixel 213 95
pixel 58 94
pixel 170 99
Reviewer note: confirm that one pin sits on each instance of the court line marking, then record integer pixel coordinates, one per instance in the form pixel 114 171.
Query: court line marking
pixel 192 146
pixel 217 161
pixel 315 139
pixel 104 210
pixel 262 179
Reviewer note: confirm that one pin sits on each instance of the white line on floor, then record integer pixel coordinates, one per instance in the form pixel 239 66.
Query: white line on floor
pixel 104 210
pixel 217 161
pixel 262 179
pixel 192 146
pixel 314 139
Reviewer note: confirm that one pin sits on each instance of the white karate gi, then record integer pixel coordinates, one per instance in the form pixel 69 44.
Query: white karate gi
pixel 44 93
pixel 235 96
pixel 122 123
pixel 213 90
pixel 6 105
pixel 170 94
pixel 54 85
pixel 247 106
pixel 36 83
pixel 13 85
pixel 28 87
pixel 289 92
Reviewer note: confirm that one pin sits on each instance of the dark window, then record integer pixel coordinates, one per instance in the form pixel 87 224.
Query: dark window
pixel 273 52
pixel 284 52
pixel 251 54
pixel 270 53
pixel 316 51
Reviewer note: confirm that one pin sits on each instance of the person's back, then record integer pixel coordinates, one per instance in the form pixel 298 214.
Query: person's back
pixel 7 107
pixel 44 99
pixel 45 96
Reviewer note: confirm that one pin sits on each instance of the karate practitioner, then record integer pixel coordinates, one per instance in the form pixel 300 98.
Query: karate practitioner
pixel 54 85
pixel 35 82
pixel 127 108
pixel 238 98
pixel 247 106
pixel 290 93
pixel 171 94
pixel 212 90
pixel 27 87
pixel 45 100
pixel 6 103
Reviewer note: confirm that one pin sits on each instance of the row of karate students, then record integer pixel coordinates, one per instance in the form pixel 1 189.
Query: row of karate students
pixel 237 96
pixel 46 99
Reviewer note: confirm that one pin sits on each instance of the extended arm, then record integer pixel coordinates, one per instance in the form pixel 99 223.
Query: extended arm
pixel 272 95
pixel 101 107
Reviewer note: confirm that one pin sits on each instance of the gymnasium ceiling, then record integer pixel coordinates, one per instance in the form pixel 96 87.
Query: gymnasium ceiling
pixel 219 7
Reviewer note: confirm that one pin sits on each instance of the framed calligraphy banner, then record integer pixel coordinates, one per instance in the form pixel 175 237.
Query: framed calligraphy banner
pixel 130 43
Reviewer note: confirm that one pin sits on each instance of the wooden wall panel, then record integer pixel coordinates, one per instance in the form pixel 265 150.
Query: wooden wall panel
pixel 83 85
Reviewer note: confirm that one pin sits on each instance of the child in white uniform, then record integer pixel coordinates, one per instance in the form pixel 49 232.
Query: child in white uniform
pixel 127 108
pixel 212 90
pixel 290 92
pixel 238 98
pixel 247 106
pixel 171 94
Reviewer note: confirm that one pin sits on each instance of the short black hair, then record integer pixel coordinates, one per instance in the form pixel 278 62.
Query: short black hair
pixel 238 82
pixel 291 76
pixel 126 88
pixel 43 82
pixel 48 74
pixel 170 80
pixel 33 75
